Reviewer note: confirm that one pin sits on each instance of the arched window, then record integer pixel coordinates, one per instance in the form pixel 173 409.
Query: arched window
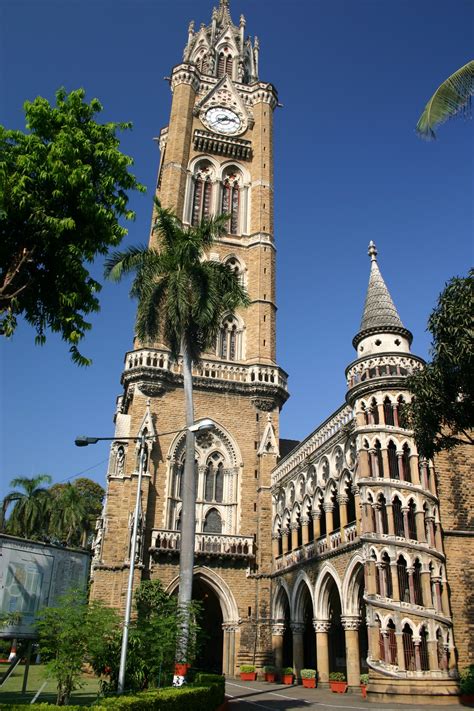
pixel 228 65
pixel 221 65
pixel 388 411
pixel 406 462
pixel 403 583
pixel 373 519
pixel 214 481
pixel 382 506
pixel 386 576
pixel 177 480
pixel 424 661
pixel 441 651
pixel 379 459
pixel 393 461
pixel 408 648
pixel 398 517
pixel 229 340
pixel 392 644
pixel 351 508
pixel 369 458
pixel 336 516
pixel 374 412
pixel 212 522
pixel 417 583
pixel 364 413
pixel 411 520
pixel 400 411
pixel 201 198
pixel 231 202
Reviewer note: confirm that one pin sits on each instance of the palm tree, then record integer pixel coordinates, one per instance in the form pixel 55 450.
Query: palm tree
pixel 452 97
pixel 28 517
pixel 70 522
pixel 183 298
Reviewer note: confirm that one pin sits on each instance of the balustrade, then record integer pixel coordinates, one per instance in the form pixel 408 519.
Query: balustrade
pixel 205 544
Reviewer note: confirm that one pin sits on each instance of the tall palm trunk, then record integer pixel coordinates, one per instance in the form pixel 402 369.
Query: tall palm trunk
pixel 188 512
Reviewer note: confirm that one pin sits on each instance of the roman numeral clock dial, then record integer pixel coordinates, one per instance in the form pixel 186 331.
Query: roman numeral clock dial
pixel 222 120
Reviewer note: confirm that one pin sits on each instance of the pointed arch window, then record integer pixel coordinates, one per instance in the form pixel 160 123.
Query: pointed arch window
pixel 374 412
pixel 221 64
pixel 230 203
pixel 398 517
pixel 379 459
pixel 388 411
pixel 212 522
pixel 417 583
pixel 406 462
pixel 393 461
pixel 403 583
pixel 424 660
pixel 392 643
pixel 214 481
pixel 228 65
pixel 408 648
pixel 202 196
pixel 229 341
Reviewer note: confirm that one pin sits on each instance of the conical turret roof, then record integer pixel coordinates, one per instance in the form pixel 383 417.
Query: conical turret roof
pixel 380 314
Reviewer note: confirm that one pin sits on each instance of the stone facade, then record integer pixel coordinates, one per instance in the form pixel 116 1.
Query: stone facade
pixel 349 554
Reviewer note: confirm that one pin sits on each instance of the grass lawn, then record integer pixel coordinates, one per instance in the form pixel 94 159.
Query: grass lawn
pixel 10 692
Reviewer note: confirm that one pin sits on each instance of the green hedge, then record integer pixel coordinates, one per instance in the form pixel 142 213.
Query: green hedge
pixel 205 695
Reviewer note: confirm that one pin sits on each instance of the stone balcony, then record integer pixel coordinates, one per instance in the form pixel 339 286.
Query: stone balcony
pixel 321 546
pixel 387 365
pixel 211 545
pixel 155 365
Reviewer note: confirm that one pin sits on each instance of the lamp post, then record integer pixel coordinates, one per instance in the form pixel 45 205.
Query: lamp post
pixel 83 441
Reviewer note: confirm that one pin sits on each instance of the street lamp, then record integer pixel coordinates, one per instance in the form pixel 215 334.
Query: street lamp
pixel 83 441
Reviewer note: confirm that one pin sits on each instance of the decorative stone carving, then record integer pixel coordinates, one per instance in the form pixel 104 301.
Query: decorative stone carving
pixel 350 623
pixel 278 628
pixel 297 627
pixel 151 389
pixel 204 440
pixel 264 404
pixel 321 625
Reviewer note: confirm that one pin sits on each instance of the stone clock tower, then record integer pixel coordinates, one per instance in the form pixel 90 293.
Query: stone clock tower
pixel 216 157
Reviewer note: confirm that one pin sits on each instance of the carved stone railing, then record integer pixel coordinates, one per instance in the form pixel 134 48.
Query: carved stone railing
pixel 161 361
pixel 335 539
pixel 388 365
pixel 206 544
pixel 317 548
pixel 350 532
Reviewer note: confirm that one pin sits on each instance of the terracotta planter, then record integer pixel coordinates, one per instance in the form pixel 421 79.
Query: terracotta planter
pixel 270 676
pixel 467 698
pixel 363 688
pixel 248 676
pixel 287 679
pixel 338 687
pixel 309 683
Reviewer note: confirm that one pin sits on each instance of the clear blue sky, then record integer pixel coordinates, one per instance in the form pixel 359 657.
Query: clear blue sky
pixel 353 77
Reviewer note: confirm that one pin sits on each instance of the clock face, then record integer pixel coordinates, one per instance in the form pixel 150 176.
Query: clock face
pixel 222 120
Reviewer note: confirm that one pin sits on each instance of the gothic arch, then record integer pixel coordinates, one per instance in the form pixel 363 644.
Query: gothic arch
pixel 351 586
pixel 327 575
pixel 302 579
pixel 230 611
pixel 231 448
pixel 278 606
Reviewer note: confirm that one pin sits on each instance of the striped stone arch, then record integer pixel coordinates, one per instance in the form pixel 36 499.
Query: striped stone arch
pixel 278 596
pixel 327 575
pixel 353 580
pixel 302 580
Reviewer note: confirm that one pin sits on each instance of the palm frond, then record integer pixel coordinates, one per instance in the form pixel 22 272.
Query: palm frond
pixel 118 264
pixel 452 97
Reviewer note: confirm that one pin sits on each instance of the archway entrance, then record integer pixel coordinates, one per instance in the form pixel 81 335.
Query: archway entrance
pixel 287 635
pixel 336 636
pixel 210 655
pixel 309 635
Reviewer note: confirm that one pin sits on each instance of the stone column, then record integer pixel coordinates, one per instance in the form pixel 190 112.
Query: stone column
pixel 414 469
pixel 351 630
pixel 316 524
pixel 426 586
pixel 298 650
pixel 294 536
pixel 228 658
pixel 342 501
pixel 432 478
pixel 371 573
pixel 381 577
pixel 390 521
pixel 358 509
pixel 386 465
pixel 395 585
pixel 411 584
pixel 285 537
pixel 438 537
pixel 445 599
pixel 424 474
pixel 322 628
pixel 374 463
pixel 401 472
pixel 417 642
pixel 406 528
pixel 364 463
pixel 305 530
pixel 275 546
pixel 420 526
pixel 400 652
pixel 437 594
pixel 278 630
pixel 328 508
pixel 433 654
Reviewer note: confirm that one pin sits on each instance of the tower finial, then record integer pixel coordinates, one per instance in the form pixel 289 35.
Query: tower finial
pixel 372 251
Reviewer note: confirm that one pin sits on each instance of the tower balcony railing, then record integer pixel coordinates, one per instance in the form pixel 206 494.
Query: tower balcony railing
pixel 388 365
pixel 206 544
pixel 160 360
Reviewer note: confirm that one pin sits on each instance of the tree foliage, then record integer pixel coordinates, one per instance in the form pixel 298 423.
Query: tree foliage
pixel 152 640
pixel 30 500
pixel 451 98
pixel 63 192
pixel 442 411
pixel 72 634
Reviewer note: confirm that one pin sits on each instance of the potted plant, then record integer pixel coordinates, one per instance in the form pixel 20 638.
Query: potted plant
pixel 308 677
pixel 181 668
pixel 466 683
pixel 364 680
pixel 337 682
pixel 247 672
pixel 270 672
pixel 287 675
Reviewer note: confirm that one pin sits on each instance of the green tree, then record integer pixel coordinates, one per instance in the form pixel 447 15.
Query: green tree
pixel 152 640
pixel 72 634
pixel 76 508
pixel 451 98
pixel 182 299
pixel 28 518
pixel 62 194
pixel 442 411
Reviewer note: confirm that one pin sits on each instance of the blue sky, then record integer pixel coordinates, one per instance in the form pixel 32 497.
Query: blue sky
pixel 353 77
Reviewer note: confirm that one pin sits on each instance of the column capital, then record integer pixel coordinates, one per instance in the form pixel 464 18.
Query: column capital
pixel 294 526
pixel 350 623
pixel 321 625
pixel 297 627
pixel 278 628
pixel 316 515
pixel 230 626
pixel 305 521
pixel 328 507
pixel 342 499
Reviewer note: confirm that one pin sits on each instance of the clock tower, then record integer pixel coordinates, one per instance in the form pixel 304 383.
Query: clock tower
pixel 216 157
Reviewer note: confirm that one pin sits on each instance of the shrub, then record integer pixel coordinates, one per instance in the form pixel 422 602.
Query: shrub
pixel 247 668
pixel 269 669
pixel 308 673
pixel 286 671
pixel 198 698
pixel 364 679
pixel 466 681
pixel 337 676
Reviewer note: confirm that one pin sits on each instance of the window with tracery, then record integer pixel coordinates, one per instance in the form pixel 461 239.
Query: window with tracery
pixel 224 65
pixel 231 202
pixel 201 203
pixel 214 479
pixel 229 340
pixel 388 411
pixel 393 461
pixel 212 522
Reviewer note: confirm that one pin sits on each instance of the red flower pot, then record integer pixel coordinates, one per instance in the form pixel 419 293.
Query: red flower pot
pixel 270 676
pixel 338 687
pixel 248 676
pixel 309 683
pixel 363 688
pixel 287 679
pixel 181 669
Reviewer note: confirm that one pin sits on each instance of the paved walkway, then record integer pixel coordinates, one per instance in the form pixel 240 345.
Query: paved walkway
pixel 243 696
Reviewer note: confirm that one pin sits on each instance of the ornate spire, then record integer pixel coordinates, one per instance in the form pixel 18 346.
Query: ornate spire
pixel 380 314
pixel 223 13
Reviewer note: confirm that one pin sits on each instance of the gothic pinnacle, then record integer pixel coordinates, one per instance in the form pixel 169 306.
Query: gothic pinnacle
pixel 372 251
